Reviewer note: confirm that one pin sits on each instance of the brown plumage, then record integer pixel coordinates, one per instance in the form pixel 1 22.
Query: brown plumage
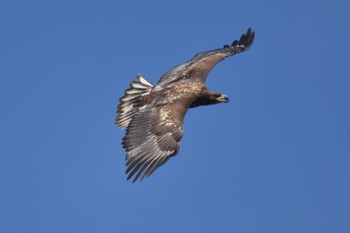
pixel 153 114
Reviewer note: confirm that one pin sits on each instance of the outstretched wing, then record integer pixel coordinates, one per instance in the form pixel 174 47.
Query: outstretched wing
pixel 202 63
pixel 152 137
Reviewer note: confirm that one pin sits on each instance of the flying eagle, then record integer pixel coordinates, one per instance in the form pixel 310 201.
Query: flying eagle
pixel 153 114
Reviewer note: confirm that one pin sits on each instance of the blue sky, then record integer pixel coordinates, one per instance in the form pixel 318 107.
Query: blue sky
pixel 274 159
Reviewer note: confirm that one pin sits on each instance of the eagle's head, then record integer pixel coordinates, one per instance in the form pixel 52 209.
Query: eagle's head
pixel 219 98
pixel 209 97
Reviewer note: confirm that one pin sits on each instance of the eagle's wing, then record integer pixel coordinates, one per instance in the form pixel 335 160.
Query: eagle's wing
pixel 152 137
pixel 202 63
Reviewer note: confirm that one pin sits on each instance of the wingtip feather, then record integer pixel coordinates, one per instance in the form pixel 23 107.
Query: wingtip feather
pixel 246 40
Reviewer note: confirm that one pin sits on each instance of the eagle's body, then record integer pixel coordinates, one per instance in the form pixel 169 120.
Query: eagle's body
pixel 153 115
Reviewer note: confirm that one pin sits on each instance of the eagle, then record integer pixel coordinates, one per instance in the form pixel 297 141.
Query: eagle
pixel 153 114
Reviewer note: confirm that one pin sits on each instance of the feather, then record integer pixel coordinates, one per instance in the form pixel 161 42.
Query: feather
pixel 131 99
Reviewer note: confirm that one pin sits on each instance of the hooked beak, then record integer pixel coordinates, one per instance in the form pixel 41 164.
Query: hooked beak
pixel 223 98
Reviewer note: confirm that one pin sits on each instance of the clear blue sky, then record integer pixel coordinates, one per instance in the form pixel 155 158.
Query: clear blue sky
pixel 275 159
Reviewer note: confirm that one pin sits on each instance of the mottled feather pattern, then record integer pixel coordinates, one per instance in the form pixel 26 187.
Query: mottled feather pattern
pixel 206 61
pixel 153 115
pixel 151 139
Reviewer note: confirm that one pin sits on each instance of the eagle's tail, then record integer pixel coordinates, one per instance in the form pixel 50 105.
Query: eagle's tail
pixel 129 102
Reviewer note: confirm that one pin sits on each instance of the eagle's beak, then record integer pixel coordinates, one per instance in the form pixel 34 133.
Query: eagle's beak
pixel 223 98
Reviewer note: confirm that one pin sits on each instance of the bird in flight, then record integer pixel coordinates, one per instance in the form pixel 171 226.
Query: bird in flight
pixel 153 114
